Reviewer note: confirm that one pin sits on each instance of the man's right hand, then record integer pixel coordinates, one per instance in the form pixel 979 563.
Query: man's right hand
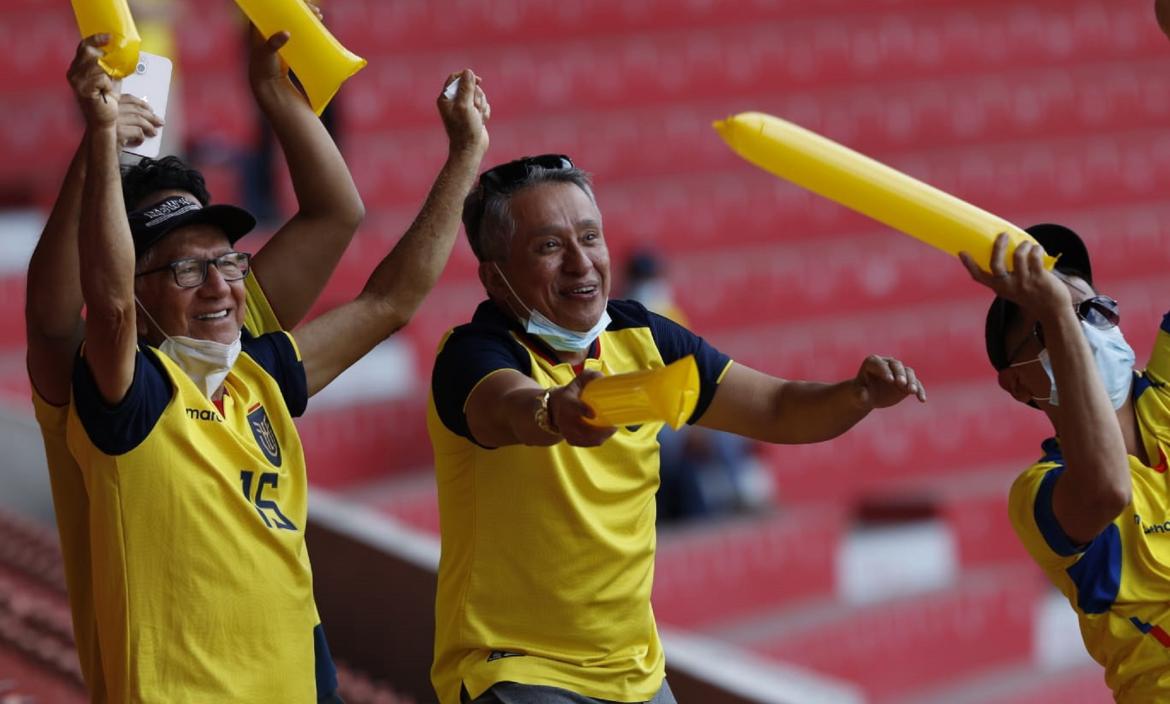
pixel 92 86
pixel 1029 285
pixel 465 116
pixel 136 121
pixel 569 413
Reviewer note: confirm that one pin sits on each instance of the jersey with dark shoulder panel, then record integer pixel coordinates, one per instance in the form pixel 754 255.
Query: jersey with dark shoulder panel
pixel 548 552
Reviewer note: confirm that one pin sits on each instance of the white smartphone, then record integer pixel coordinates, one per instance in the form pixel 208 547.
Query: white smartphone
pixel 151 81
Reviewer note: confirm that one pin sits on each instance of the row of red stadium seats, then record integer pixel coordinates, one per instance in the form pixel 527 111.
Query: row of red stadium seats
pixel 659 69
pixel 869 118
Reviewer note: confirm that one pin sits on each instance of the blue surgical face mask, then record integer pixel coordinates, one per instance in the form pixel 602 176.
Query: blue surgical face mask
pixel 1113 356
pixel 557 337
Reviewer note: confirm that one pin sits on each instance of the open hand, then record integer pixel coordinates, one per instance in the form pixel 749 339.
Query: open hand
pixel 884 381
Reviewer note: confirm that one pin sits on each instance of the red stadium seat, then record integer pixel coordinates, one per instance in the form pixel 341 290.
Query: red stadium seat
pixel 717 572
pixel 984 620
pixel 364 441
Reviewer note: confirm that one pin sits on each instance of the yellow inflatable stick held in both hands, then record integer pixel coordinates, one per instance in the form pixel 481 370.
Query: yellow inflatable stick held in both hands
pixel 111 17
pixel 319 61
pixel 666 394
pixel 868 186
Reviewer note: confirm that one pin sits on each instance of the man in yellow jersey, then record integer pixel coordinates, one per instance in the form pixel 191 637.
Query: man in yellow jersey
pixel 182 427
pixel 293 267
pixel 548 522
pixel 1094 511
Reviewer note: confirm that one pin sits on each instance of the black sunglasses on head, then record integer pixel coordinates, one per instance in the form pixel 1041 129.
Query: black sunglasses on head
pixel 1102 312
pixel 504 175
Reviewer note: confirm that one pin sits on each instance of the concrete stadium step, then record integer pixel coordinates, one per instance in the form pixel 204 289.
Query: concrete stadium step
pixel 1023 684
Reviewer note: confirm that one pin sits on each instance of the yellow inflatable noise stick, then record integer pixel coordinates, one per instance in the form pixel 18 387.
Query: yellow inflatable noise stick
pixel 112 17
pixel 868 186
pixel 666 394
pixel 319 61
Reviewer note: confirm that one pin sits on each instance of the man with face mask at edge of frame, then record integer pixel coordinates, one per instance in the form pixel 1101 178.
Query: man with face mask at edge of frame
pixel 1094 510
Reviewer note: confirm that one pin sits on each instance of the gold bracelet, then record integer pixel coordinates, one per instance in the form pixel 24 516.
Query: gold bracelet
pixel 542 417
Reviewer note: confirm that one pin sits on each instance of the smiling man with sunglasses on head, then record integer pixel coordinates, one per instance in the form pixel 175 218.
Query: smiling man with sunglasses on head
pixel 547 522
pixel 1094 511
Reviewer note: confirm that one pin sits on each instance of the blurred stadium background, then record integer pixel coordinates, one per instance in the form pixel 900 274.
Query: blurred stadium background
pixel 882 568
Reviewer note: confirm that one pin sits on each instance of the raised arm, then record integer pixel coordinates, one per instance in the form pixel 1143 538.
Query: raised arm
pixel 1096 484
pixel 294 266
pixel 763 407
pixel 334 341
pixel 105 248
pixel 53 297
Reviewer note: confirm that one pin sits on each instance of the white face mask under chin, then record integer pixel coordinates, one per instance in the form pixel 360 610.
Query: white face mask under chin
pixel 205 362
pixel 559 338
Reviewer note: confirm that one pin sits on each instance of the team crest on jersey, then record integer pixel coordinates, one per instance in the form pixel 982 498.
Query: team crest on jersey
pixel 264 434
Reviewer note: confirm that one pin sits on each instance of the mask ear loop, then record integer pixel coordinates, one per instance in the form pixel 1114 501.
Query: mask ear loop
pixel 527 310
pixel 150 317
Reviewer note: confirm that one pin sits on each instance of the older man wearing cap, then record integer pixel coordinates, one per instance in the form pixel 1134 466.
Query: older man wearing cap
pixel 182 425
pixel 1093 511
pixel 548 521
pixel 291 269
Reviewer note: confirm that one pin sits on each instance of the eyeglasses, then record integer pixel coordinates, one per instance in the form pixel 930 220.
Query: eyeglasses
pixel 192 272
pixel 1102 312
pixel 505 175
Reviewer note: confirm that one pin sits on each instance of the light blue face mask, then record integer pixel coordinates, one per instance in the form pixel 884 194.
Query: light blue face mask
pixel 1114 358
pixel 557 337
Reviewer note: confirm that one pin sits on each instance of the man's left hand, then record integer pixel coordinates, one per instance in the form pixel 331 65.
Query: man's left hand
pixel 884 381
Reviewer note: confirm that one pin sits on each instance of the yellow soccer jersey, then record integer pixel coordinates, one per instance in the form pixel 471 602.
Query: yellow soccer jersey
pixel 548 552
pixel 1119 584
pixel 71 506
pixel 202 591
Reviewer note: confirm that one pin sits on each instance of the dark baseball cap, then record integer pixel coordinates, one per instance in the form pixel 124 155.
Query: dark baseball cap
pixel 150 224
pixel 1071 258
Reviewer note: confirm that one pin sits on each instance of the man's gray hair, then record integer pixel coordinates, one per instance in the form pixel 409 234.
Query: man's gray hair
pixel 487 214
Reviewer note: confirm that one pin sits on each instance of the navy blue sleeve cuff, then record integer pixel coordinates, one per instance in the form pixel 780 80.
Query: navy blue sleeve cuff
pixel 116 429
pixel 1046 521
pixel 675 342
pixel 277 355
pixel 465 360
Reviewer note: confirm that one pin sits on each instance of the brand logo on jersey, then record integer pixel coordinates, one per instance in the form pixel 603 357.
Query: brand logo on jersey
pixel 1152 528
pixel 265 436
pixel 500 654
pixel 203 414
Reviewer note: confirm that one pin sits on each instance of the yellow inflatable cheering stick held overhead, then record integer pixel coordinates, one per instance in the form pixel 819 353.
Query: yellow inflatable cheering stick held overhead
pixel 110 17
pixel 319 61
pixel 868 186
